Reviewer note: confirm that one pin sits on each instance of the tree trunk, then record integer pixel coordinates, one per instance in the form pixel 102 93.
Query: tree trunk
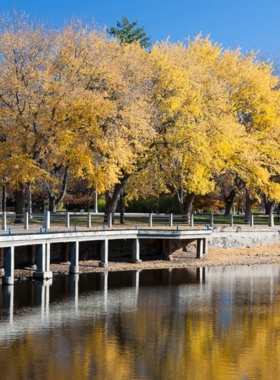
pixel 20 205
pixel 112 200
pixel 52 203
pixel 229 201
pixel 122 207
pixel 4 199
pixel 185 206
pixel 269 205
pixel 248 207
pixel 44 204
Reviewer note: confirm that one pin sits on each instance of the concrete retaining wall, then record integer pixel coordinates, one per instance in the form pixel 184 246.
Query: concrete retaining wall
pixel 241 237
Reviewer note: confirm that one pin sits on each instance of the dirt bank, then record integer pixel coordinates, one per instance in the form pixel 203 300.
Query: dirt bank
pixel 266 254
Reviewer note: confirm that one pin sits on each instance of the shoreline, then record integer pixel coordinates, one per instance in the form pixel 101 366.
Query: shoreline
pixel 217 257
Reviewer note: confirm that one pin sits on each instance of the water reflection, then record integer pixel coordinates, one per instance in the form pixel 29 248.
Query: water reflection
pixel 215 323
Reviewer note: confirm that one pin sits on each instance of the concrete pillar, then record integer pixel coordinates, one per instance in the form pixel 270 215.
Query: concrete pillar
pixel 43 261
pixel 96 203
pixel 205 246
pixel 47 219
pixel 136 251
pixel 104 254
pixel 199 249
pixel 67 219
pixel 212 220
pixel 271 220
pixel 171 220
pixel 8 298
pixel 89 220
pixel 4 221
pixel 231 221
pixel 74 267
pixel 110 220
pixel 252 221
pixel 8 278
pixel 26 221
pixel 150 220
pixel 191 221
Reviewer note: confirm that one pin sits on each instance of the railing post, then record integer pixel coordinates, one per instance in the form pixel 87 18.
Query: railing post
pixel 191 221
pixel 171 220
pixel 47 220
pixel 67 220
pixel 212 220
pixel 26 220
pixel 252 221
pixel 150 220
pixel 231 220
pixel 89 220
pixel 4 221
pixel 271 220
pixel 110 219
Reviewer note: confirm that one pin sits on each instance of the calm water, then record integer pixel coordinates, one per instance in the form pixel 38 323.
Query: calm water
pixel 215 323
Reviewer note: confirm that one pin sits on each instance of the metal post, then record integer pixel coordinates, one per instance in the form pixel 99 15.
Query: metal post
pixel 231 220
pixel 26 220
pixel 110 220
pixel 89 220
pixel 252 221
pixel 171 220
pixel 4 221
pixel 150 220
pixel 67 220
pixel 192 221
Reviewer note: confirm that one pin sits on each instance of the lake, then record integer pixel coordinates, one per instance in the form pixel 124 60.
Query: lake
pixel 204 323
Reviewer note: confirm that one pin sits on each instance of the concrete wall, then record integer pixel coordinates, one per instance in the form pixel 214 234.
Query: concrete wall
pixel 227 237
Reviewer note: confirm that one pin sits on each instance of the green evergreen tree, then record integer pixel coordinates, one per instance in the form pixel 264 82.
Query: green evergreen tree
pixel 127 33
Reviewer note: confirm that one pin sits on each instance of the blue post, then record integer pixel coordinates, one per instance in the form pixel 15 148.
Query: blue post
pixel 10 231
pixel 177 228
pixel 136 226
pixel 75 229
pixel 104 227
pixel 41 230
pixel 46 230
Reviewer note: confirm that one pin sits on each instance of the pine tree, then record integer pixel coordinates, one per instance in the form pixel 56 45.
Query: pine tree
pixel 127 33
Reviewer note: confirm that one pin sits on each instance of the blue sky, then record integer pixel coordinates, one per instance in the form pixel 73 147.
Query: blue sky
pixel 248 24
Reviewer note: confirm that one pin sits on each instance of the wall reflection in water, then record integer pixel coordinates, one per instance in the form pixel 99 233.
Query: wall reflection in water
pixel 215 323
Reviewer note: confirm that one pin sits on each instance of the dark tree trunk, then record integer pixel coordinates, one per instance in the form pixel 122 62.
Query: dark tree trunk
pixel 229 201
pixel 52 203
pixel 269 205
pixel 122 205
pixel 4 199
pixel 248 207
pixel 20 205
pixel 1 199
pixel 112 200
pixel 44 204
pixel 185 206
pixel 55 201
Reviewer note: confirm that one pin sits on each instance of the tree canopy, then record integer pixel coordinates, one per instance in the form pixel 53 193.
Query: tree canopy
pixel 127 32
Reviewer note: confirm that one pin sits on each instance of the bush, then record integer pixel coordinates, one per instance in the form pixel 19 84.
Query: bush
pixel 101 205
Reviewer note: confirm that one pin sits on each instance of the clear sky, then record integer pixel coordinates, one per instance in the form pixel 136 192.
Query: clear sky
pixel 250 24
